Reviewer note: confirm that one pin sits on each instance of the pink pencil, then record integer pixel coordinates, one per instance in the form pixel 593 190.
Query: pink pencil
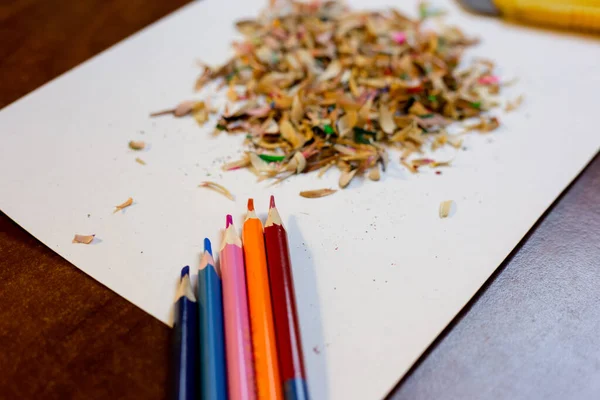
pixel 238 345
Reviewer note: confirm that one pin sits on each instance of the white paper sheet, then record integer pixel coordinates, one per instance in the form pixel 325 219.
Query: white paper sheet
pixel 378 274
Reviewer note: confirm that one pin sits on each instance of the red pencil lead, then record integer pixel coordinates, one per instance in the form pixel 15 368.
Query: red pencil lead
pixel 229 221
pixel 272 203
pixel 250 204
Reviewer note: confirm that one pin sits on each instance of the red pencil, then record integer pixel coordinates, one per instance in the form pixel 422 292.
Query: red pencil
pixel 287 331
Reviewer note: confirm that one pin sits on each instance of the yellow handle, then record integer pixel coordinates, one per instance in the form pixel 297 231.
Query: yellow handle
pixel 580 15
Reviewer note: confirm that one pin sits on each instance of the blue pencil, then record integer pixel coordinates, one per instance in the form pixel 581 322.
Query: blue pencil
pixel 213 374
pixel 185 341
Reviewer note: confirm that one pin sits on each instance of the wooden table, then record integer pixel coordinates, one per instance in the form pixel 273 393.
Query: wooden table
pixel 64 335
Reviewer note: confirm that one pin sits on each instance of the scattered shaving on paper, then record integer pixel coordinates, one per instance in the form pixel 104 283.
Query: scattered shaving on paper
pixel 136 145
pixel 315 194
pixel 445 208
pixel 85 239
pixel 514 104
pixel 123 205
pixel 218 188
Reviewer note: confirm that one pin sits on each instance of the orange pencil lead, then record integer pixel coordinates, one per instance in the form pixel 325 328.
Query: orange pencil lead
pixel 250 204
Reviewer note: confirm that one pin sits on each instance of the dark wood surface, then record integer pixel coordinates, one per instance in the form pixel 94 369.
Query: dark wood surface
pixel 62 334
pixel 82 341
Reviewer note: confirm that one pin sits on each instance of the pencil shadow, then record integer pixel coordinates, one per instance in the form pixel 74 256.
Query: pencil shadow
pixel 309 312
pixel 262 216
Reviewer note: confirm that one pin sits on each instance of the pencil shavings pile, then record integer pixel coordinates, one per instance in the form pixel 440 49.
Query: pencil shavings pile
pixel 315 85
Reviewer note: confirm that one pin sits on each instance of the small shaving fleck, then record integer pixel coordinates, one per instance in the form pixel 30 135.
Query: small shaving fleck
pixel 218 188
pixel 136 145
pixel 125 204
pixel 182 109
pixel 514 104
pixel 315 194
pixel 85 239
pixel 445 207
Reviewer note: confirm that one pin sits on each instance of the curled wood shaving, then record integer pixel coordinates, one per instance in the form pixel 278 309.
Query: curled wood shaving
pixel 346 123
pixel 374 174
pixel 486 124
pixel 262 167
pixel 436 164
pixel 289 133
pixel 514 104
pixel 445 208
pixel 200 112
pixel 85 239
pixel 123 205
pixel 301 162
pixel 244 162
pixel 218 188
pixel 409 131
pixel 418 109
pixel 314 194
pixel 386 120
pixel 182 109
pixel 297 111
pixel 409 166
pixel 346 177
pixel 333 69
pixel 455 142
pixel 136 145
pixel 419 162
pixel 325 169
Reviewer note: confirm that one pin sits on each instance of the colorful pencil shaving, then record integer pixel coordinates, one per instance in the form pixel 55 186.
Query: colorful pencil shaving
pixel 268 384
pixel 185 341
pixel 238 346
pixel 287 332
pixel 213 381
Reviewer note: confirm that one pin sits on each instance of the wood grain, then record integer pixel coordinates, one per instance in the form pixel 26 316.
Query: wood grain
pixel 62 334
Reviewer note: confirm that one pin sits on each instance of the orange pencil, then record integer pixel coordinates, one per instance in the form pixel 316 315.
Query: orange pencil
pixel 264 346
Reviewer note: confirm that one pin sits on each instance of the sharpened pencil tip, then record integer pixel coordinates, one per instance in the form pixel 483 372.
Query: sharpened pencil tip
pixel 250 204
pixel 229 221
pixel 207 246
pixel 272 202
pixel 185 271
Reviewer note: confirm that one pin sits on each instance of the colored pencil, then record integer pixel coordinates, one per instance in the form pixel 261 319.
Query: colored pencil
pixel 287 331
pixel 268 384
pixel 213 378
pixel 185 341
pixel 238 346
